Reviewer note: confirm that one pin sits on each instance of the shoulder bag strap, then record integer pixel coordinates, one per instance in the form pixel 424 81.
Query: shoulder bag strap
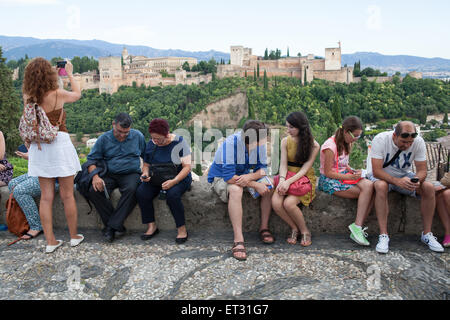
pixel 393 159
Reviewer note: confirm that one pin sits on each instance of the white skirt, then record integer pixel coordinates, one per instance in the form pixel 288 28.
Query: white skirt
pixel 56 159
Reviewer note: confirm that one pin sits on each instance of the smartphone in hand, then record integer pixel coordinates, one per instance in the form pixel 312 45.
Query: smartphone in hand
pixel 414 180
pixel 61 65
pixel 22 148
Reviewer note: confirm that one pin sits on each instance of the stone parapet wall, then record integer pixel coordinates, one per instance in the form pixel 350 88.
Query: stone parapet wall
pixel 205 211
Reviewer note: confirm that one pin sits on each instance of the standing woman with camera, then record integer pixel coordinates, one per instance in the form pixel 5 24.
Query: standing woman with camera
pixel 163 151
pixel 56 160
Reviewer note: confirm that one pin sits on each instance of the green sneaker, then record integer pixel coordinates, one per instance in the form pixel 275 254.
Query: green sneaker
pixel 358 235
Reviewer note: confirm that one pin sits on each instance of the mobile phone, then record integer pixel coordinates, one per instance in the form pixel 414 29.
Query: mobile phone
pixel 22 148
pixel 105 191
pixel 144 177
pixel 414 180
pixel 61 65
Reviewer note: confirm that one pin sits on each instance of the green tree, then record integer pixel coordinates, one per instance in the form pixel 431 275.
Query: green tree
pixel 445 120
pixel 9 107
pixel 266 81
pixel 254 74
pixel 287 55
pixel 257 70
pixel 337 110
pixel 423 115
pixel 266 55
pixel 186 66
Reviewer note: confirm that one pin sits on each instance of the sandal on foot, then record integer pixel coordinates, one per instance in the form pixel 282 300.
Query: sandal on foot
pixel 293 238
pixel 306 239
pixel 266 234
pixel 31 236
pixel 234 250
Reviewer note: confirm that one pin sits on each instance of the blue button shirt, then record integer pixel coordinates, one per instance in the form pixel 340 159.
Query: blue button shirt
pixel 232 158
pixel 121 157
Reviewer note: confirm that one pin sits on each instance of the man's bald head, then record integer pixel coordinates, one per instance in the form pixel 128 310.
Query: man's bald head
pixel 404 126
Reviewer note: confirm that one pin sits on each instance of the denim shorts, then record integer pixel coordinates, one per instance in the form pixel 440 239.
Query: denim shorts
pixel 395 188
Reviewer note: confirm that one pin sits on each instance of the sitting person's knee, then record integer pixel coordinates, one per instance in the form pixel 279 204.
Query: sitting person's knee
pixel 427 189
pixel 381 186
pixel 235 191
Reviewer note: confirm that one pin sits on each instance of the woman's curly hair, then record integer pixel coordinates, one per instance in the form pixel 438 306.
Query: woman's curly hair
pixel 39 79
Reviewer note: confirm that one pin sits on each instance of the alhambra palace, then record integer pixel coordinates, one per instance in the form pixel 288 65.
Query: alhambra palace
pixel 129 70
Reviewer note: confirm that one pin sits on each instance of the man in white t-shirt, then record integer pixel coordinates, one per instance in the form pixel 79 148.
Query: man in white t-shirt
pixel 405 147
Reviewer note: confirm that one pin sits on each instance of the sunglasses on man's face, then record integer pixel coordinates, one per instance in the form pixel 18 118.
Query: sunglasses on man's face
pixel 406 135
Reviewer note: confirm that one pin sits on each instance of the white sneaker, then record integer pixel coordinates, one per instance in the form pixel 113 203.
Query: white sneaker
pixel 50 249
pixel 75 242
pixel 432 242
pixel 383 244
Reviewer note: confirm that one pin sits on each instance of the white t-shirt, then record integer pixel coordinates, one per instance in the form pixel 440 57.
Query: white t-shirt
pixel 383 147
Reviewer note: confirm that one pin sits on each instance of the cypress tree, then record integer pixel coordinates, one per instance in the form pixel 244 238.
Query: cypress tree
pixel 254 74
pixel 10 107
pixel 266 54
pixel 445 120
pixel 266 82
pixel 287 52
pixel 337 110
pixel 257 70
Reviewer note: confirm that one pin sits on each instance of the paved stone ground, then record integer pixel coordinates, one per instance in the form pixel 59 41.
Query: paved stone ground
pixel 332 268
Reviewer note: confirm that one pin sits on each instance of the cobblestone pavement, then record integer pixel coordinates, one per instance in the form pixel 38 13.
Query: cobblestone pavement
pixel 202 268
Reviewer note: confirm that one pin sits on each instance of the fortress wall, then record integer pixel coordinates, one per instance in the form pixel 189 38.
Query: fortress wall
pixel 335 76
pixel 205 211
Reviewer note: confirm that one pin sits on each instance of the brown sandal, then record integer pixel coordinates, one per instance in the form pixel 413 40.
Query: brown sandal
pixel 266 234
pixel 293 238
pixel 306 239
pixel 234 250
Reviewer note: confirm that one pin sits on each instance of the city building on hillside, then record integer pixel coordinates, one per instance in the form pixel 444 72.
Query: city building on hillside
pixel 306 68
pixel 129 70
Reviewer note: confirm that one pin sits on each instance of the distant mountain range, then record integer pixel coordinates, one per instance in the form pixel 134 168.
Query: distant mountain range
pixel 16 47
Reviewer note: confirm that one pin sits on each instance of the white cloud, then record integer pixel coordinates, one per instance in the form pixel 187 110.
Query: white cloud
pixel 374 21
pixel 29 2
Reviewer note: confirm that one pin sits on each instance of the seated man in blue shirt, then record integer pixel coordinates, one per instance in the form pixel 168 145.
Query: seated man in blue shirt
pixel 121 148
pixel 230 173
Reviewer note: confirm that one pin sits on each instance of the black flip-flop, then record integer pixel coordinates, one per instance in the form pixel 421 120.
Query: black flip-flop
pixel 31 236
pixel 145 237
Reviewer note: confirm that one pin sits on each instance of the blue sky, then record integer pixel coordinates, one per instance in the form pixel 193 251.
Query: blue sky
pixel 411 27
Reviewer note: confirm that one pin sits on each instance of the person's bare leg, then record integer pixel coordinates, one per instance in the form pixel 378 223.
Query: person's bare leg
pixel 235 212
pixel 70 206
pixel 45 208
pixel 427 205
pixel 364 201
pixel 381 205
pixel 443 209
pixel 290 204
pixel 266 210
pixel 277 205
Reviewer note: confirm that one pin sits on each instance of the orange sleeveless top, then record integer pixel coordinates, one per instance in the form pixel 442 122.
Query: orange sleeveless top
pixel 54 115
